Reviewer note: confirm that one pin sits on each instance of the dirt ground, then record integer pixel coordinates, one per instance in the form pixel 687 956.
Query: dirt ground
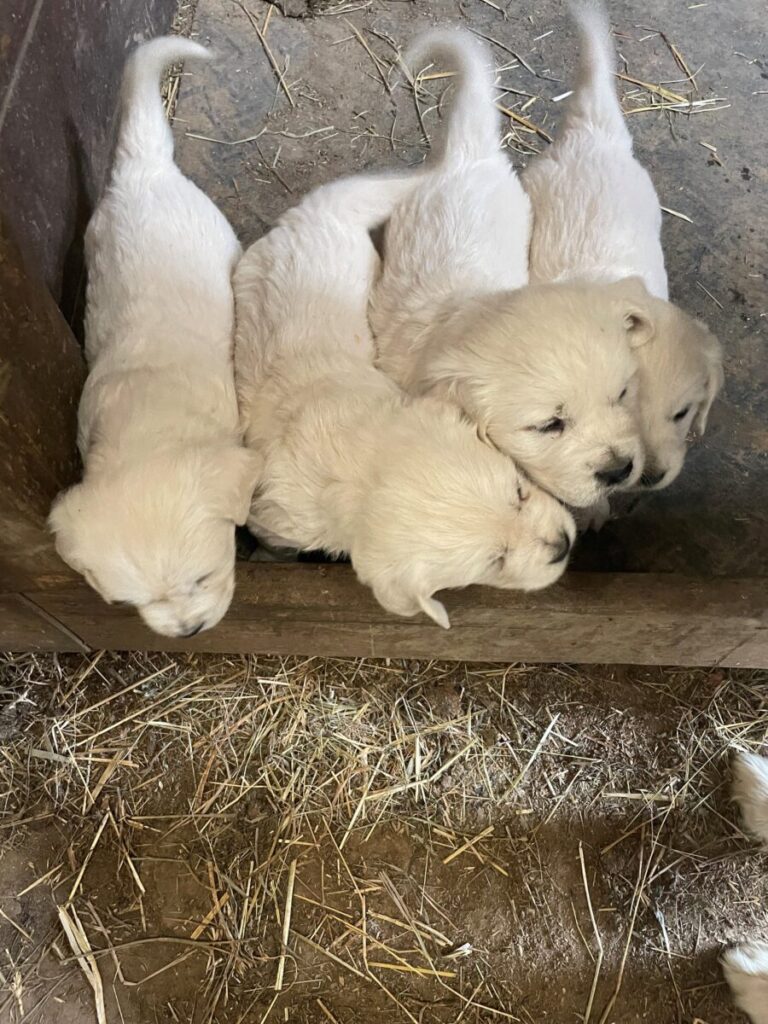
pixel 241 840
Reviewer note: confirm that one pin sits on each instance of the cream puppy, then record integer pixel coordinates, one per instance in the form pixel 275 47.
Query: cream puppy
pixel 166 478
pixel 548 373
pixel 597 217
pixel 350 464
pixel 746 966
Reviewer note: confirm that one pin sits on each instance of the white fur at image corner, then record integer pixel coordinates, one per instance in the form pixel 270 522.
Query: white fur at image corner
pixel 351 465
pixel 597 217
pixel 546 373
pixel 745 966
pixel 165 475
pixel 746 970
pixel 750 791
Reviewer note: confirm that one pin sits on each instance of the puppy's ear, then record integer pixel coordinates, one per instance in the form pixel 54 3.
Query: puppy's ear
pixel 715 377
pixel 635 308
pixel 435 610
pixel 405 599
pixel 64 522
pixel 458 392
pixel 235 478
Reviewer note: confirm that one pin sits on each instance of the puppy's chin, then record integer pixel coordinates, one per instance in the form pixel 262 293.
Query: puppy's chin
pixel 581 494
pixel 654 479
pixel 186 618
pixel 538 576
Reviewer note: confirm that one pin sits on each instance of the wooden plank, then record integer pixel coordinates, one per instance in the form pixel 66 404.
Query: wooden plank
pixel 58 98
pixel 587 618
pixel 24 627
pixel 41 374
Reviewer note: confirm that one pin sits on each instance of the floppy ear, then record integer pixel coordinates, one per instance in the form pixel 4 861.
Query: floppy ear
pixel 402 600
pixel 635 309
pixel 237 474
pixel 435 610
pixel 62 522
pixel 458 392
pixel 715 378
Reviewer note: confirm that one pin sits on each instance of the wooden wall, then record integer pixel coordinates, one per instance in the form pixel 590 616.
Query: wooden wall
pixel 60 68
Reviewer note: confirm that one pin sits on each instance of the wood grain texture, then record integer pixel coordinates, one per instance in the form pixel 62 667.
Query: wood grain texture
pixel 25 627
pixel 62 66
pixel 41 375
pixel 587 618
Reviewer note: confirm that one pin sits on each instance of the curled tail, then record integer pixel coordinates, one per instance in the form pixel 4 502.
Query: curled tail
pixel 144 128
pixel 595 99
pixel 472 131
pixel 365 200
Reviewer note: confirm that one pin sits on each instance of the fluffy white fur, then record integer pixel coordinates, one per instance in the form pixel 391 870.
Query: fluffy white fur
pixel 746 966
pixel 546 373
pixel 750 791
pixel 350 464
pixel 597 217
pixel 166 478
pixel 746 970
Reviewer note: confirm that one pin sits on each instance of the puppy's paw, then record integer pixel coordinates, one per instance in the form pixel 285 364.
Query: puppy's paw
pixel 746 970
pixel 750 791
pixel 593 517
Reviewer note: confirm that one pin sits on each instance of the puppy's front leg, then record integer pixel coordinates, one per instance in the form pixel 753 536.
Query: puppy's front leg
pixel 593 517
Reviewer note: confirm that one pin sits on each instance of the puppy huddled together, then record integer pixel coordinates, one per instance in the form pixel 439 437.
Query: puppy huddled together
pixel 428 407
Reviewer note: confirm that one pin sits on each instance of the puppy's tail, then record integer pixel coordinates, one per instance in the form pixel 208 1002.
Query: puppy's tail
pixel 144 128
pixel 364 200
pixel 595 100
pixel 472 130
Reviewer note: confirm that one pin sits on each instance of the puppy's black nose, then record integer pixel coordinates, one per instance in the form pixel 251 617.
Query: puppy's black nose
pixel 652 477
pixel 562 549
pixel 194 631
pixel 615 473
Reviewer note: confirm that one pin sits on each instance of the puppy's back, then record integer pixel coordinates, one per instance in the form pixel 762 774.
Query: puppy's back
pixel 160 254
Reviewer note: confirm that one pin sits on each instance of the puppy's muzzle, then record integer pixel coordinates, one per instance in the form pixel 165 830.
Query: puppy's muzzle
pixel 615 473
pixel 562 548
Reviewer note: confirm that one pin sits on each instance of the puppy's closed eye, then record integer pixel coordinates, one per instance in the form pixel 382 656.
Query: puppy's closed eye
pixel 554 426
pixel 499 559
pixel 681 414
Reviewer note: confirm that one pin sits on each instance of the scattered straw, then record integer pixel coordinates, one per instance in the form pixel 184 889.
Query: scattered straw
pixel 261 34
pixel 81 947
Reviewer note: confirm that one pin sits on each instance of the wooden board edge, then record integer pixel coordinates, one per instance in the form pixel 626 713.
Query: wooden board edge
pixel 321 610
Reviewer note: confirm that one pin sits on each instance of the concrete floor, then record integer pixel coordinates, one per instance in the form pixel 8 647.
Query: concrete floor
pixel 351 112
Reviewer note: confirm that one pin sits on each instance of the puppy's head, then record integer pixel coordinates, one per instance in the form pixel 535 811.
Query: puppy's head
pixel 447 511
pixel 159 534
pixel 681 372
pixel 549 375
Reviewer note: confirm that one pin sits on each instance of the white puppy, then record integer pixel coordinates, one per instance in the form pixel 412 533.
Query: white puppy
pixel 597 217
pixel 746 965
pixel 547 373
pixel 166 478
pixel 350 464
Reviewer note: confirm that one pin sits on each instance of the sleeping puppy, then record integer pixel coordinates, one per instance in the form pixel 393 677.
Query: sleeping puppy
pixel 546 373
pixel 166 477
pixel 746 965
pixel 597 218
pixel 350 464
